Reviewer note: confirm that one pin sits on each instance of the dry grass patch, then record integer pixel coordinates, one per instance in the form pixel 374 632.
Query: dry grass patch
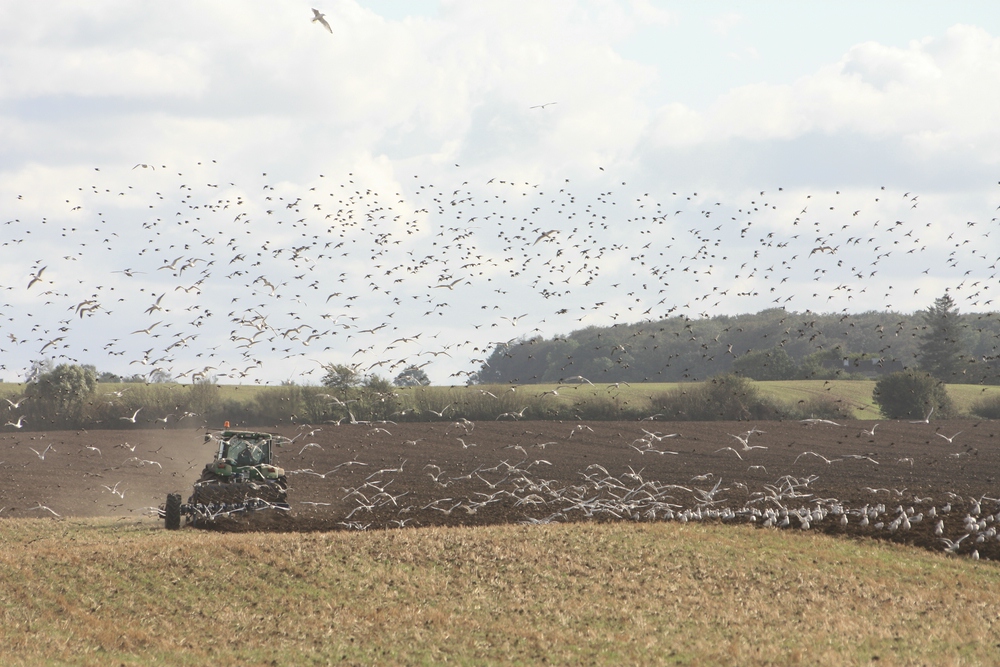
pixel 99 592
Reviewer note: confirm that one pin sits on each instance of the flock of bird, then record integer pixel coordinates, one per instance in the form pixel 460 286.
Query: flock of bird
pixel 453 472
pixel 524 484
pixel 181 273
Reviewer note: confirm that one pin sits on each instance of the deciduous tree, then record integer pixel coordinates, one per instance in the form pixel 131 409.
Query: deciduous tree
pixel 912 395
pixel 412 377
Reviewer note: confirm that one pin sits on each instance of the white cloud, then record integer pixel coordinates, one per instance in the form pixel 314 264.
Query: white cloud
pixel 724 23
pixel 935 96
pixel 648 14
pixel 95 72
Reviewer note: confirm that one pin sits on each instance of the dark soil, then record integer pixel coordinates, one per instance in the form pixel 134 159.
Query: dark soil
pixel 369 476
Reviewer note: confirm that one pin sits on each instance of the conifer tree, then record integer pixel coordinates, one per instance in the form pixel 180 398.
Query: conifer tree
pixel 941 347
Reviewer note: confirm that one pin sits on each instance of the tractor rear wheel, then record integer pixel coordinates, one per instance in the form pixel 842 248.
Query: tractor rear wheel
pixel 172 511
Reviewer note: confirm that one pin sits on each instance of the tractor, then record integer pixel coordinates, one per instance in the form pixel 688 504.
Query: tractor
pixel 241 478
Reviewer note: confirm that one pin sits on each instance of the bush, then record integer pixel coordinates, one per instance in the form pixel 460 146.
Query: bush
pixel 912 395
pixel 723 398
pixel 987 407
pixel 59 397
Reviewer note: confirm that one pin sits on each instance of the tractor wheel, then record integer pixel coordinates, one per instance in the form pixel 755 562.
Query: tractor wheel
pixel 172 512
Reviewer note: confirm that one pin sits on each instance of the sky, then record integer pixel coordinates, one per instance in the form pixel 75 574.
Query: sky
pixel 231 190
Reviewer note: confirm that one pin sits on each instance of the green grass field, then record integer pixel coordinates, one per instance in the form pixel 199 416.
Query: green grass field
pixel 100 592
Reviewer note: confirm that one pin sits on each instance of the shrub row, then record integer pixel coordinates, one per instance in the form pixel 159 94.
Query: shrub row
pixel 727 397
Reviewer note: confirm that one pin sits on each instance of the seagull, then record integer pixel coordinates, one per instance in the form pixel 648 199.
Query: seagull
pixel 18 424
pixel 132 418
pixel 318 17
pixel 542 106
pixel 952 546
pixel 926 419
pixel 730 449
pixel 43 507
pixel 813 454
pixel 13 405
pixel 439 414
pixel 745 442
pixel 947 438
pixel 35 277
pixel 41 454
pixel 657 436
pixel 115 489
pixel 545 235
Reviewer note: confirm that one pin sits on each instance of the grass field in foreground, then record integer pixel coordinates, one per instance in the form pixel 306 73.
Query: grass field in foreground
pixel 102 592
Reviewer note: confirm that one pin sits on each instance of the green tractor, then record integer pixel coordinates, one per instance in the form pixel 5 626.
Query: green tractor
pixel 241 478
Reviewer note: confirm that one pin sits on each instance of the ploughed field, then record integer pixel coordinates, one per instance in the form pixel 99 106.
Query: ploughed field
pixel 904 482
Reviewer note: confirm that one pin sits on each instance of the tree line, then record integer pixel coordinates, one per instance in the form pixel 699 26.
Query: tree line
pixel 940 344
pixel 773 344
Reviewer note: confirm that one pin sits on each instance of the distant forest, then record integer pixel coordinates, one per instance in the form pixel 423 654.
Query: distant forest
pixel 773 344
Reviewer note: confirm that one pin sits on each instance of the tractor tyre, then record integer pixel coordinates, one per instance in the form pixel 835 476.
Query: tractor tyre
pixel 172 512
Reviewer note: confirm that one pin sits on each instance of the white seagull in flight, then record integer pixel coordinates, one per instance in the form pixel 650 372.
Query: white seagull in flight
pixel 317 16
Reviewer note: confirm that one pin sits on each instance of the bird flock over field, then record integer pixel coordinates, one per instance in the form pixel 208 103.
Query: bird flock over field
pixel 528 482
pixel 908 481
pixel 176 271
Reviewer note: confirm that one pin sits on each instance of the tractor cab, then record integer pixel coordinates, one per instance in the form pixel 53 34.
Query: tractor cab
pixel 246 449
pixel 245 455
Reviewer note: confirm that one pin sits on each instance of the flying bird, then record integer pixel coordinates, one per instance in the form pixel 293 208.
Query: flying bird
pixel 35 277
pixel 318 17
pixel 545 235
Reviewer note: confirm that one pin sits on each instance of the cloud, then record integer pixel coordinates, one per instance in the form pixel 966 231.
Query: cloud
pixel 647 14
pixel 723 24
pixel 932 98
